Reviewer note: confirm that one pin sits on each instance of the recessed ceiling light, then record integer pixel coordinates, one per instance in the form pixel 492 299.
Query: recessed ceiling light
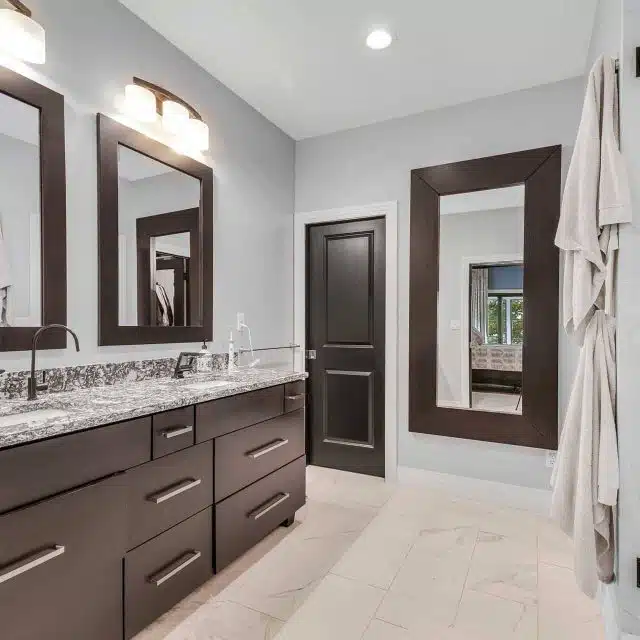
pixel 379 39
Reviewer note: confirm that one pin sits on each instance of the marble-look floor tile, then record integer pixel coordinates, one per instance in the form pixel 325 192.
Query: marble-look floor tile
pixel 339 609
pixel 171 620
pixel 342 487
pixel 379 630
pixel 565 612
pixel 485 617
pixel 504 567
pixel 285 577
pixel 513 523
pixel 421 610
pixel 219 620
pixel 439 559
pixel 554 545
pixel 377 555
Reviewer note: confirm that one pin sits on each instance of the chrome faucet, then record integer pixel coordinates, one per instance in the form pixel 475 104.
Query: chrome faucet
pixel 32 384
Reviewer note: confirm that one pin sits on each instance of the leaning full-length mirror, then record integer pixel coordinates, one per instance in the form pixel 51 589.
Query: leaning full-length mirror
pixel 481 300
pixel 155 240
pixel 483 315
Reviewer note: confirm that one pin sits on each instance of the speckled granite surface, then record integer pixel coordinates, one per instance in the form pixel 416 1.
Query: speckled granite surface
pixel 97 406
pixel 14 384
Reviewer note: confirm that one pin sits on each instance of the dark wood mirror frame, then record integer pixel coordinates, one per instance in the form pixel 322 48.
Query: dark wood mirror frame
pixel 110 332
pixel 53 213
pixel 540 171
pixel 163 225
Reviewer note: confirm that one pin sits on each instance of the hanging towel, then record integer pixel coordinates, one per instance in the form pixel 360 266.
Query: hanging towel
pixel 596 194
pixel 585 476
pixel 5 281
pixel 596 199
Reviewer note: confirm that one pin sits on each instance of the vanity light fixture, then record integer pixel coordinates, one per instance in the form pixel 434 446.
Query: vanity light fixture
pixel 147 102
pixel 379 39
pixel 20 35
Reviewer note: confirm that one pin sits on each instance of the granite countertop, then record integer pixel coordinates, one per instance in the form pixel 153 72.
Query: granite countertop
pixel 97 406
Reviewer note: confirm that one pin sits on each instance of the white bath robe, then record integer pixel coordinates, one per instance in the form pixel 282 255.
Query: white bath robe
pixel 586 474
pixel 596 199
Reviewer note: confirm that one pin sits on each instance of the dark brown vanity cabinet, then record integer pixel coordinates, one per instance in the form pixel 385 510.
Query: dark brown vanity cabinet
pixel 102 531
pixel 61 565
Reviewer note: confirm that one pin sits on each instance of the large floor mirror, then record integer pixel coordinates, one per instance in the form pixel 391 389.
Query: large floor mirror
pixel 484 298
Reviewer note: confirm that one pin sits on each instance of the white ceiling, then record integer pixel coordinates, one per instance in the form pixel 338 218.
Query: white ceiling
pixel 304 64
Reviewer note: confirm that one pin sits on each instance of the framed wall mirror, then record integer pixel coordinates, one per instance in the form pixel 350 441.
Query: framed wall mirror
pixel 484 299
pixel 155 240
pixel 33 276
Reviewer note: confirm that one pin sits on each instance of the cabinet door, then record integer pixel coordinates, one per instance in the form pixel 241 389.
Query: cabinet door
pixel 61 566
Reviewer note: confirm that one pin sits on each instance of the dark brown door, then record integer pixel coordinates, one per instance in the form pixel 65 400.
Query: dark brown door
pixel 345 315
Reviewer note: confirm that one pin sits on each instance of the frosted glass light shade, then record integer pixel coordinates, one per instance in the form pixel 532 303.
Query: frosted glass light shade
pixel 196 135
pixel 140 103
pixel 175 117
pixel 21 36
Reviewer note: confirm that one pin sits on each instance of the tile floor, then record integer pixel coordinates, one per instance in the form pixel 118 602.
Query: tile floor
pixel 370 561
pixel 494 401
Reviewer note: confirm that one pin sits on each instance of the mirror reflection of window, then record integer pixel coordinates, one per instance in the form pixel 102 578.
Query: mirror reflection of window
pixel 481 300
pixel 20 243
pixel 157 226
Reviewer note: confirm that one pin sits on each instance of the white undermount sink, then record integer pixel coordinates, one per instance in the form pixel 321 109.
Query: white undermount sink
pixel 40 415
pixel 205 386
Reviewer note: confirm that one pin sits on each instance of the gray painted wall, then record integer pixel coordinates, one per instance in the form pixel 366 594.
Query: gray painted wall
pixel 93 50
pixel 372 164
pixel 629 333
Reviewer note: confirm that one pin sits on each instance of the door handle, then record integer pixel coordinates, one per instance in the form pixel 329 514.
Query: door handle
pixel 268 448
pixel 30 562
pixel 178 431
pixel 174 568
pixel 174 491
pixel 297 396
pixel 278 499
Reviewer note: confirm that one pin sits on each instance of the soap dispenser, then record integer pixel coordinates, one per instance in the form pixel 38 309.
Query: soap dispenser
pixel 204 363
pixel 232 353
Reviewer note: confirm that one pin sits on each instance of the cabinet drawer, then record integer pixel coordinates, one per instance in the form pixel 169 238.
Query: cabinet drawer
pixel 219 417
pixel 61 566
pixel 247 455
pixel 163 571
pixel 49 467
pixel 294 396
pixel 173 430
pixel 168 490
pixel 246 517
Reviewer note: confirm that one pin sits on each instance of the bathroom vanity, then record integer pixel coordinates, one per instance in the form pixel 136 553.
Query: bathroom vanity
pixel 107 523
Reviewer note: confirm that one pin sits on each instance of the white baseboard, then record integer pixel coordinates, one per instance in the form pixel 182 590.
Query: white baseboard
pixel 508 495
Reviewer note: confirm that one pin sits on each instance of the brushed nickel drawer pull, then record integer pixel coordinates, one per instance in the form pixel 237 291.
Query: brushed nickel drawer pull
pixel 31 562
pixel 296 397
pixel 174 491
pixel 174 568
pixel 267 448
pixel 278 499
pixel 178 431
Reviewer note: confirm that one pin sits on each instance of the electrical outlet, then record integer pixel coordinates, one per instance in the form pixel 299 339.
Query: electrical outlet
pixel 240 321
pixel 551 459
